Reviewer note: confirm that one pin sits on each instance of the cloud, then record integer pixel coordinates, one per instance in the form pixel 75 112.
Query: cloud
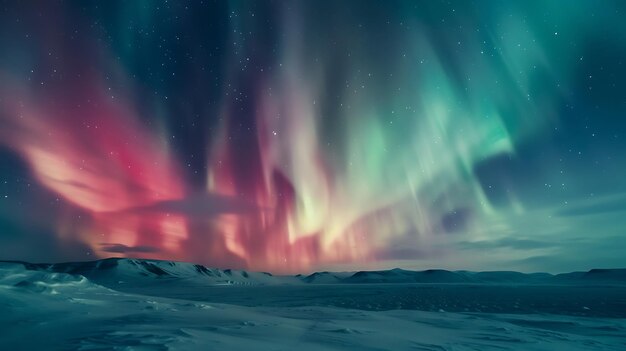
pixel 401 253
pixel 408 246
pixel 121 248
pixel 457 220
pixel 200 205
pixel 607 204
pixel 511 243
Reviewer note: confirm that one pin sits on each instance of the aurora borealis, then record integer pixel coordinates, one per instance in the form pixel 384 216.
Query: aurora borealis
pixel 292 136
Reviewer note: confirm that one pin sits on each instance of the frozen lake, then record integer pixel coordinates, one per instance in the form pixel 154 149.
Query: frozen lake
pixel 592 301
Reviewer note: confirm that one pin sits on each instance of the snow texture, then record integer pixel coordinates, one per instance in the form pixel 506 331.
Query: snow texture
pixel 123 304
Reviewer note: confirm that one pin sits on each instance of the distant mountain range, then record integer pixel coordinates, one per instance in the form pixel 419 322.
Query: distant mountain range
pixel 134 272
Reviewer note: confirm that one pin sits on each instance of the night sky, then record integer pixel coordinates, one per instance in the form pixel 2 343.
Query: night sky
pixel 292 136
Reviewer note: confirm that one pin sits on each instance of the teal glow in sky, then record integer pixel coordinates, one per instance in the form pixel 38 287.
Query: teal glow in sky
pixel 310 135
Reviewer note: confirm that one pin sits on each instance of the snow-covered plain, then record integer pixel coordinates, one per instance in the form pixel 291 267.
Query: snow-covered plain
pixel 158 305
